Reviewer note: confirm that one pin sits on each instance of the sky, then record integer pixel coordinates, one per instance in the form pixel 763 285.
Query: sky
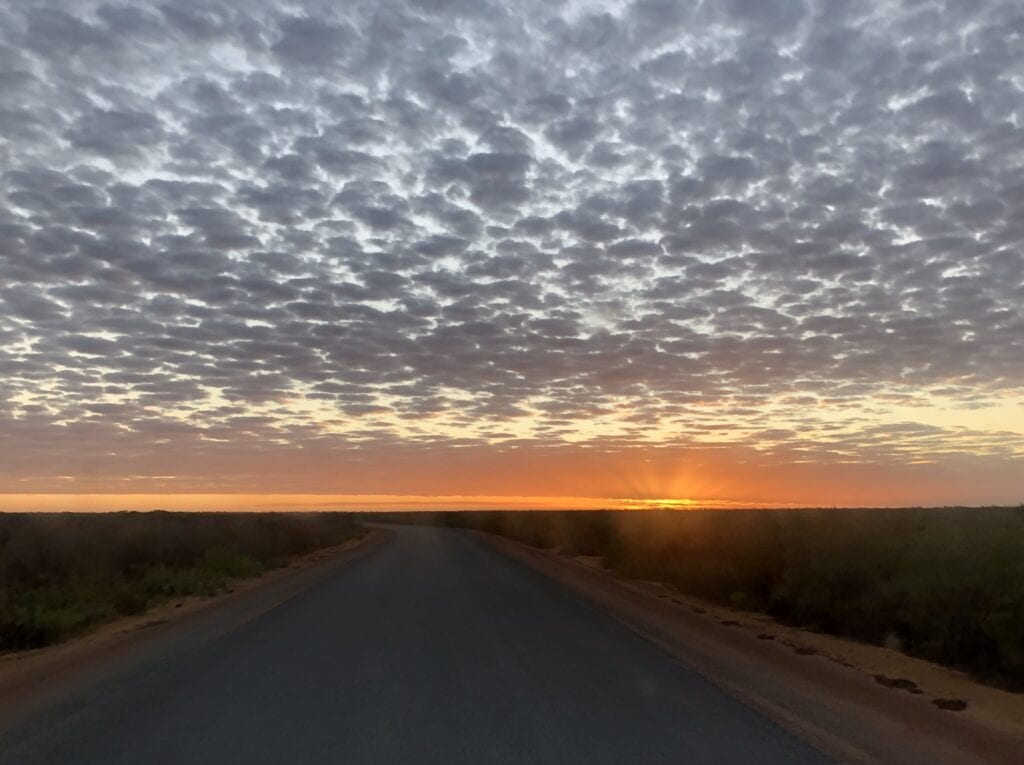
pixel 481 253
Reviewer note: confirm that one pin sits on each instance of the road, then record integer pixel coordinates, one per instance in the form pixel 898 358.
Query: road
pixel 435 648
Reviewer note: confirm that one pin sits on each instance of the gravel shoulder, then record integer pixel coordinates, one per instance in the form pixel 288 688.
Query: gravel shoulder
pixel 859 703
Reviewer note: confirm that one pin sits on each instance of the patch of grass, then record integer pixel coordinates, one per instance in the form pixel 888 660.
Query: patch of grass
pixel 62 573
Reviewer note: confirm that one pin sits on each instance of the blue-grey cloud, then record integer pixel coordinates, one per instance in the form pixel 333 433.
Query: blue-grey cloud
pixel 362 214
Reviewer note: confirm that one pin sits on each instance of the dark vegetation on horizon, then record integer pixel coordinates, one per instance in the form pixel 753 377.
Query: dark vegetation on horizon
pixel 946 585
pixel 63 572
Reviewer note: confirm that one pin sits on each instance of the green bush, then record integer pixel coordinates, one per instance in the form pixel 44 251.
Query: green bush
pixel 61 573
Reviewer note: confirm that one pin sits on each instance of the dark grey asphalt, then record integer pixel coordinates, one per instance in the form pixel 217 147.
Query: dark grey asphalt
pixel 433 649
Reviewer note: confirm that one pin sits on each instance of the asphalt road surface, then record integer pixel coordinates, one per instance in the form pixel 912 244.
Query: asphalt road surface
pixel 432 649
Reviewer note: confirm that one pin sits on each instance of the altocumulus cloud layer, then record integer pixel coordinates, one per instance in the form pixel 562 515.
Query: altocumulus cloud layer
pixel 237 231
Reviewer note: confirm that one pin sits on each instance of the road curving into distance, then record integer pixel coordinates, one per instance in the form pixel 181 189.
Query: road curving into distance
pixel 435 648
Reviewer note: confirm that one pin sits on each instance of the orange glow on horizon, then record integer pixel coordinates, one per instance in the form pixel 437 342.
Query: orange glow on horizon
pixel 568 477
pixel 349 502
pixel 93 503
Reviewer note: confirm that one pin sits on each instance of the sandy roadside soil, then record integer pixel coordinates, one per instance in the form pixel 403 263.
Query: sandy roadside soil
pixel 856 702
pixel 31 680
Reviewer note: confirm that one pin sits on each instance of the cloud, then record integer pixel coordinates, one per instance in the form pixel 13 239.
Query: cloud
pixel 443 223
pixel 311 41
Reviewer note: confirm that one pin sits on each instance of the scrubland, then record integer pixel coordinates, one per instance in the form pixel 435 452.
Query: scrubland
pixel 943 584
pixel 63 572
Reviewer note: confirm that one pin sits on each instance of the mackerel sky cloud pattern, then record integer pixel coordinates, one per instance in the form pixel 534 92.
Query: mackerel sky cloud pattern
pixel 278 245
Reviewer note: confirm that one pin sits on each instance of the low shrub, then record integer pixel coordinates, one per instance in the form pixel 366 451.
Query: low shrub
pixel 61 573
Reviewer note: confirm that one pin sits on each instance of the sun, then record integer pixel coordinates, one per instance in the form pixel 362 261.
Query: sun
pixel 661 504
